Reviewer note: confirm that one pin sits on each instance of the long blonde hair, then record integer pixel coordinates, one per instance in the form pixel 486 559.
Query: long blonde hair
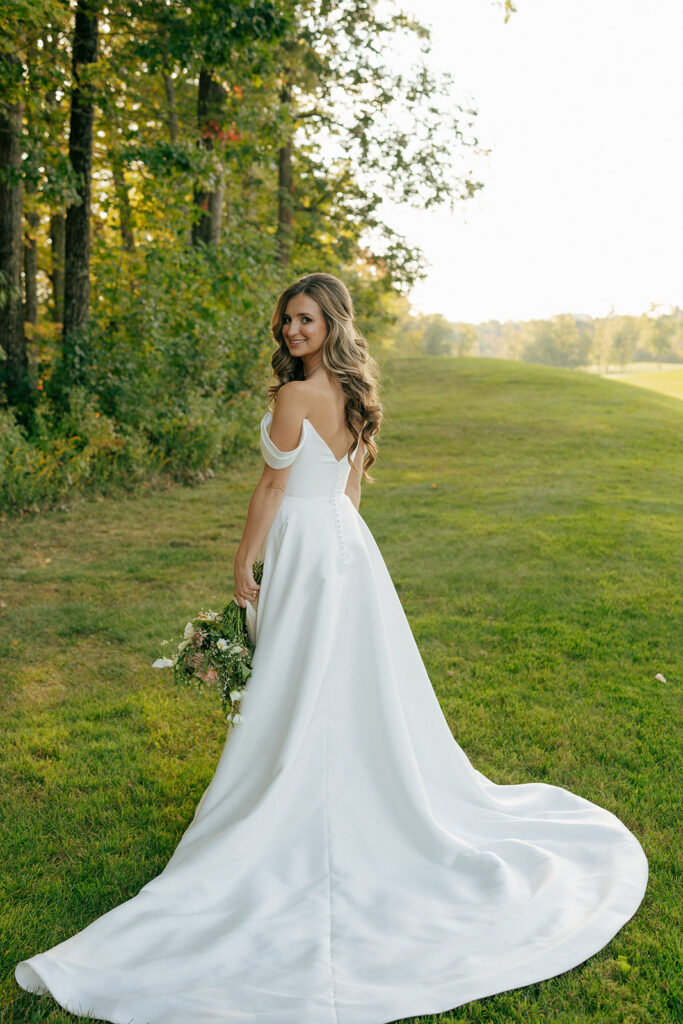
pixel 344 355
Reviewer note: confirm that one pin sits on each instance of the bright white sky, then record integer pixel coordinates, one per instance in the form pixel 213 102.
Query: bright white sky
pixel 581 103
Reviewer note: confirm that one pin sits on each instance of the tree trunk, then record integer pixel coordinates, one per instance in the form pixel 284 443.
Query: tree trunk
pixel 57 220
pixel 31 267
pixel 57 229
pixel 285 216
pixel 172 114
pixel 77 234
pixel 14 367
pixel 125 213
pixel 210 113
pixel 31 215
pixel 284 204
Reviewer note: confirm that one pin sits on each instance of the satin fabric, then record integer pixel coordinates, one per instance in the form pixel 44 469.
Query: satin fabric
pixel 347 864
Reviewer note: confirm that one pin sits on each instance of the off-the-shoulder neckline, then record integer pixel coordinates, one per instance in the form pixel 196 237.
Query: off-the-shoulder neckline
pixel 269 416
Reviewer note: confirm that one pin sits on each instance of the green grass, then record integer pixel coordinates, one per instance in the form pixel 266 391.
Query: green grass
pixel 531 521
pixel 667 381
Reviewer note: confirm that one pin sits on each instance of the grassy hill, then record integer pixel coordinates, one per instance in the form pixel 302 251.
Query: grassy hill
pixel 531 521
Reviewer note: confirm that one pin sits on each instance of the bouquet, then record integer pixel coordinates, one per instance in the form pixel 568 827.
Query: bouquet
pixel 216 649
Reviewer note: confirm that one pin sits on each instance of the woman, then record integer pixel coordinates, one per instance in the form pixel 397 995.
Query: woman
pixel 346 864
pixel 326 377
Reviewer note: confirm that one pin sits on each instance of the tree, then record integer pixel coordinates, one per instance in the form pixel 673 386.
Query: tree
pixel 557 342
pixel 12 339
pixel 285 184
pixel 624 337
pixel 231 35
pixel 217 44
pixel 58 244
pixel 50 168
pixel 396 131
pixel 211 99
pixel 400 332
pixel 123 202
pixel 32 221
pixel 601 343
pixel 77 228
pixel 181 161
pixel 659 332
pixel 465 339
pixel 31 78
pixel 439 336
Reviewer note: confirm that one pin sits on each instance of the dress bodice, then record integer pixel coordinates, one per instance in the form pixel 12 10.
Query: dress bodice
pixel 314 470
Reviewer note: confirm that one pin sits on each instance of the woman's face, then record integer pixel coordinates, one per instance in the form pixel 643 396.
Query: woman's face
pixel 303 325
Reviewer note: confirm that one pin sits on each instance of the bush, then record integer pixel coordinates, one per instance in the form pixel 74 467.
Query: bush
pixel 83 451
pixel 174 374
pixel 177 336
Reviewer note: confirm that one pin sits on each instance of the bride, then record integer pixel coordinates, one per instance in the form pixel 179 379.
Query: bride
pixel 346 864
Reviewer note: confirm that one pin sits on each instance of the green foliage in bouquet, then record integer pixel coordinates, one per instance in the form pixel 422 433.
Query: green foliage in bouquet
pixel 216 650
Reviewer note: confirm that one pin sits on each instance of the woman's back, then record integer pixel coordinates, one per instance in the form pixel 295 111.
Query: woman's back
pixel 315 471
pixel 323 402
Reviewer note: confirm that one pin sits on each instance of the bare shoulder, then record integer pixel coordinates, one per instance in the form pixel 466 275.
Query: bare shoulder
pixel 324 398
pixel 292 395
pixel 293 387
pixel 288 415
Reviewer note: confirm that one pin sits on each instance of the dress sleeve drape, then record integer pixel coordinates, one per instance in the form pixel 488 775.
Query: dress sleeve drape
pixel 275 458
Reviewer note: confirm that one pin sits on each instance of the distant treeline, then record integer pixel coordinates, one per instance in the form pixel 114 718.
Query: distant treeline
pixel 565 340
pixel 166 168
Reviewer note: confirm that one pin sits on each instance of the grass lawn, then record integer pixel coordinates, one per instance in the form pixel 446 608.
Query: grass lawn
pixel 531 521
pixel 668 381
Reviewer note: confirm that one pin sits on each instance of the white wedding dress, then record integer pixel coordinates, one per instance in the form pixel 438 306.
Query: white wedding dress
pixel 347 864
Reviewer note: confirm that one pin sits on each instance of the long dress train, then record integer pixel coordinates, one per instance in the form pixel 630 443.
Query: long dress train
pixel 347 864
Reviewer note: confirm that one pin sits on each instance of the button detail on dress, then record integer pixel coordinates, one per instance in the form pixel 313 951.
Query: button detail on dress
pixel 336 498
pixel 341 551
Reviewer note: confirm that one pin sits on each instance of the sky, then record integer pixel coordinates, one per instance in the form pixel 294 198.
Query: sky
pixel 581 105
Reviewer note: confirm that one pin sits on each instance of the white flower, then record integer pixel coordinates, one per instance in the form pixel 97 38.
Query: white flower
pixel 660 678
pixel 163 663
pixel 236 718
pixel 189 630
pixel 222 644
pixel 163 643
pixel 235 695
pixel 236 649
pixel 213 616
pixel 183 644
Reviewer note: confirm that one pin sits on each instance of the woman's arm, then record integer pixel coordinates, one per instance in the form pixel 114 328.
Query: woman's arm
pixel 263 505
pixel 285 431
pixel 355 477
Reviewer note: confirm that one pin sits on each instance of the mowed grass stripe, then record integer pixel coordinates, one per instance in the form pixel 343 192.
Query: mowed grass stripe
pixel 530 519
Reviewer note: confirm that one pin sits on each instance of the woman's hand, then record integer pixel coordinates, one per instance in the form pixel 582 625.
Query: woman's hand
pixel 246 587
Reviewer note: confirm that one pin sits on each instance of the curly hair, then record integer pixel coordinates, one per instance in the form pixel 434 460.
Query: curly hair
pixel 344 355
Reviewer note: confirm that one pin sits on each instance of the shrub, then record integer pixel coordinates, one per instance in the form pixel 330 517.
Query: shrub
pixel 81 451
pixel 174 373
